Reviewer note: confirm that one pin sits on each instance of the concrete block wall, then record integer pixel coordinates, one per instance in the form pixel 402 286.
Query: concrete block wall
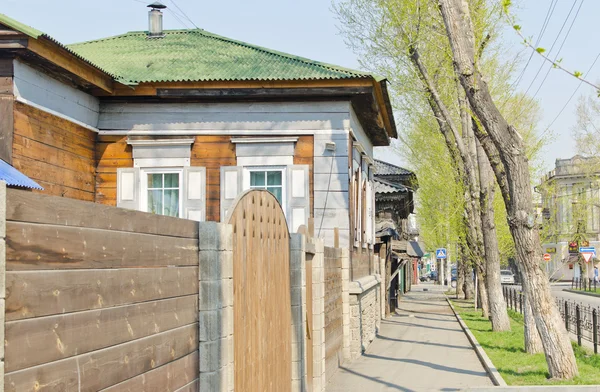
pixel 298 301
pixel 215 302
pixel 318 311
pixel 365 313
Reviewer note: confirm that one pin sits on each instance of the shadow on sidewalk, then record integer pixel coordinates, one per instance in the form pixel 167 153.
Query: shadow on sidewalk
pixel 430 365
pixel 375 379
pixel 423 343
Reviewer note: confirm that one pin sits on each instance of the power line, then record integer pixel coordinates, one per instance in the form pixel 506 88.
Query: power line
pixel 552 47
pixel 178 18
pixel 184 14
pixel 560 48
pixel 571 97
pixel 542 31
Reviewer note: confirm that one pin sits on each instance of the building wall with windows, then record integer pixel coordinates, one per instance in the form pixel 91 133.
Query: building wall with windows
pixel 570 211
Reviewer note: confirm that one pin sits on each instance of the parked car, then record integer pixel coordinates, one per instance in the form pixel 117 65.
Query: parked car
pixel 507 277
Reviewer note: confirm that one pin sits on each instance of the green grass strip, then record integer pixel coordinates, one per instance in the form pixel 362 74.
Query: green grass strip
pixel 507 352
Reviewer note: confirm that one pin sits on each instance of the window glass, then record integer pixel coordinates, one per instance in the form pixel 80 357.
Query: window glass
pixel 163 193
pixel 270 180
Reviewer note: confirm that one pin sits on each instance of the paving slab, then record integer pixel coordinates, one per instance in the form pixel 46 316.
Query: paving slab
pixel 420 348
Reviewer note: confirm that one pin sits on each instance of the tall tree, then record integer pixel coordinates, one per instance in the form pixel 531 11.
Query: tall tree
pixel 506 152
pixel 498 313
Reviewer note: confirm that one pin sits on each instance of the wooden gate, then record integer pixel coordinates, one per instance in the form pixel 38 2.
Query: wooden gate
pixel 261 286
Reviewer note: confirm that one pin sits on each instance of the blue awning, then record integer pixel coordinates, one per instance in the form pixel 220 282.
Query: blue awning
pixel 13 177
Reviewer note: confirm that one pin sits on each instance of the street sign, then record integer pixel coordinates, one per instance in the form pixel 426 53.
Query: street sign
pixel 440 253
pixel 587 256
pixel 547 257
pixel 587 249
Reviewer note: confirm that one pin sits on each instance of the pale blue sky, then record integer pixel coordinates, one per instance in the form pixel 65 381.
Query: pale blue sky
pixel 308 28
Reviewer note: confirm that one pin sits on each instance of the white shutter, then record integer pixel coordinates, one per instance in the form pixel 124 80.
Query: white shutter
pixel 194 193
pixel 298 197
pixel 128 188
pixel 231 187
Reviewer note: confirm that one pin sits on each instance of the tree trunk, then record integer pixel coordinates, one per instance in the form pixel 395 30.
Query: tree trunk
pixel 469 286
pixel 518 199
pixel 482 291
pixel 498 311
pixel 463 158
pixel 533 342
pixel 460 277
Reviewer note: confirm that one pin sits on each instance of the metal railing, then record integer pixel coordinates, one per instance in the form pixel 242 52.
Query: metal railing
pixel 579 319
pixel 585 284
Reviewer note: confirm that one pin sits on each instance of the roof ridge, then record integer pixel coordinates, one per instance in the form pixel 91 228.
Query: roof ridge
pixel 265 50
pixel 287 55
pixel 391 164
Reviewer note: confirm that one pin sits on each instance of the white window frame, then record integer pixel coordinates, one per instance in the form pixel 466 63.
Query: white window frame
pixel 282 169
pixel 144 186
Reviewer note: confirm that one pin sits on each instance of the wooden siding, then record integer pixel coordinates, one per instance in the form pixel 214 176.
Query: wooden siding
pixel 212 152
pixel 56 153
pixel 95 319
pixel 304 155
pixel 112 152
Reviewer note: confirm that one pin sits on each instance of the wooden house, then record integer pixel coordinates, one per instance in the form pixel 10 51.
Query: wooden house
pixel 180 122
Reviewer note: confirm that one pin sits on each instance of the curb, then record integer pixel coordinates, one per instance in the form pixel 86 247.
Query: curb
pixel 582 293
pixel 483 358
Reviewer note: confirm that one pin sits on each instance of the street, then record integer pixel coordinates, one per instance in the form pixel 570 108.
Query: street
pixel 557 291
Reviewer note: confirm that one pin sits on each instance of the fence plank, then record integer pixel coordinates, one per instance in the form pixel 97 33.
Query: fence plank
pixel 168 378
pixel 33 246
pixel 42 293
pixel 63 336
pixel 101 369
pixel 31 207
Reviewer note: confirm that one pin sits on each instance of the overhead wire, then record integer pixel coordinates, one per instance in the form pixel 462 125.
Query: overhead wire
pixel 559 49
pixel 184 14
pixel 540 35
pixel 570 98
pixel 552 47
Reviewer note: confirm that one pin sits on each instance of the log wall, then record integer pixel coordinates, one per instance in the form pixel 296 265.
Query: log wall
pixel 98 298
pixel 56 153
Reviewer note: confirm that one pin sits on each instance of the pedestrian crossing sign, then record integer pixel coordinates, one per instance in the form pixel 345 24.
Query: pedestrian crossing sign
pixel 440 253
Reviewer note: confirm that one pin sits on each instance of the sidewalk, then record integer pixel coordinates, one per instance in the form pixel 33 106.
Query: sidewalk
pixel 421 348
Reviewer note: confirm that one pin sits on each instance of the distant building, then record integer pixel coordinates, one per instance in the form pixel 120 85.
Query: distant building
pixel 395 231
pixel 570 212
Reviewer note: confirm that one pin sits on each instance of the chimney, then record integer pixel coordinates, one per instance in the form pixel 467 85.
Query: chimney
pixel 155 16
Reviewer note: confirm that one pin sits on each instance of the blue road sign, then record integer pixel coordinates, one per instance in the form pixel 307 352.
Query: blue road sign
pixel 587 249
pixel 440 253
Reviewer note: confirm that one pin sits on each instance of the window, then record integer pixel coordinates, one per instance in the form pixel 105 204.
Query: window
pixel 271 180
pixel 161 192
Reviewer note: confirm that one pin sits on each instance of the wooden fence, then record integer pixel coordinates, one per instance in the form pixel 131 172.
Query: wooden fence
pixel 98 298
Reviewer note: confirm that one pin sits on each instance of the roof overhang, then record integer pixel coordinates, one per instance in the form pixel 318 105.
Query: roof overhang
pixel 365 94
pixel 50 57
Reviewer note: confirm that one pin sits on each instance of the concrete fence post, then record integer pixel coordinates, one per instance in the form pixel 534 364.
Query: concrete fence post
pixel 318 309
pixel 215 303
pixel 298 299
pixel 2 277
pixel 346 302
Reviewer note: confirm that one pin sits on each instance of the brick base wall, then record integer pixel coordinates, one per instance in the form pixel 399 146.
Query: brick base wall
pixel 365 313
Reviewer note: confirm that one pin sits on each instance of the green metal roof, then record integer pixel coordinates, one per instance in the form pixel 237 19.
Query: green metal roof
pixel 197 55
pixel 16 25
